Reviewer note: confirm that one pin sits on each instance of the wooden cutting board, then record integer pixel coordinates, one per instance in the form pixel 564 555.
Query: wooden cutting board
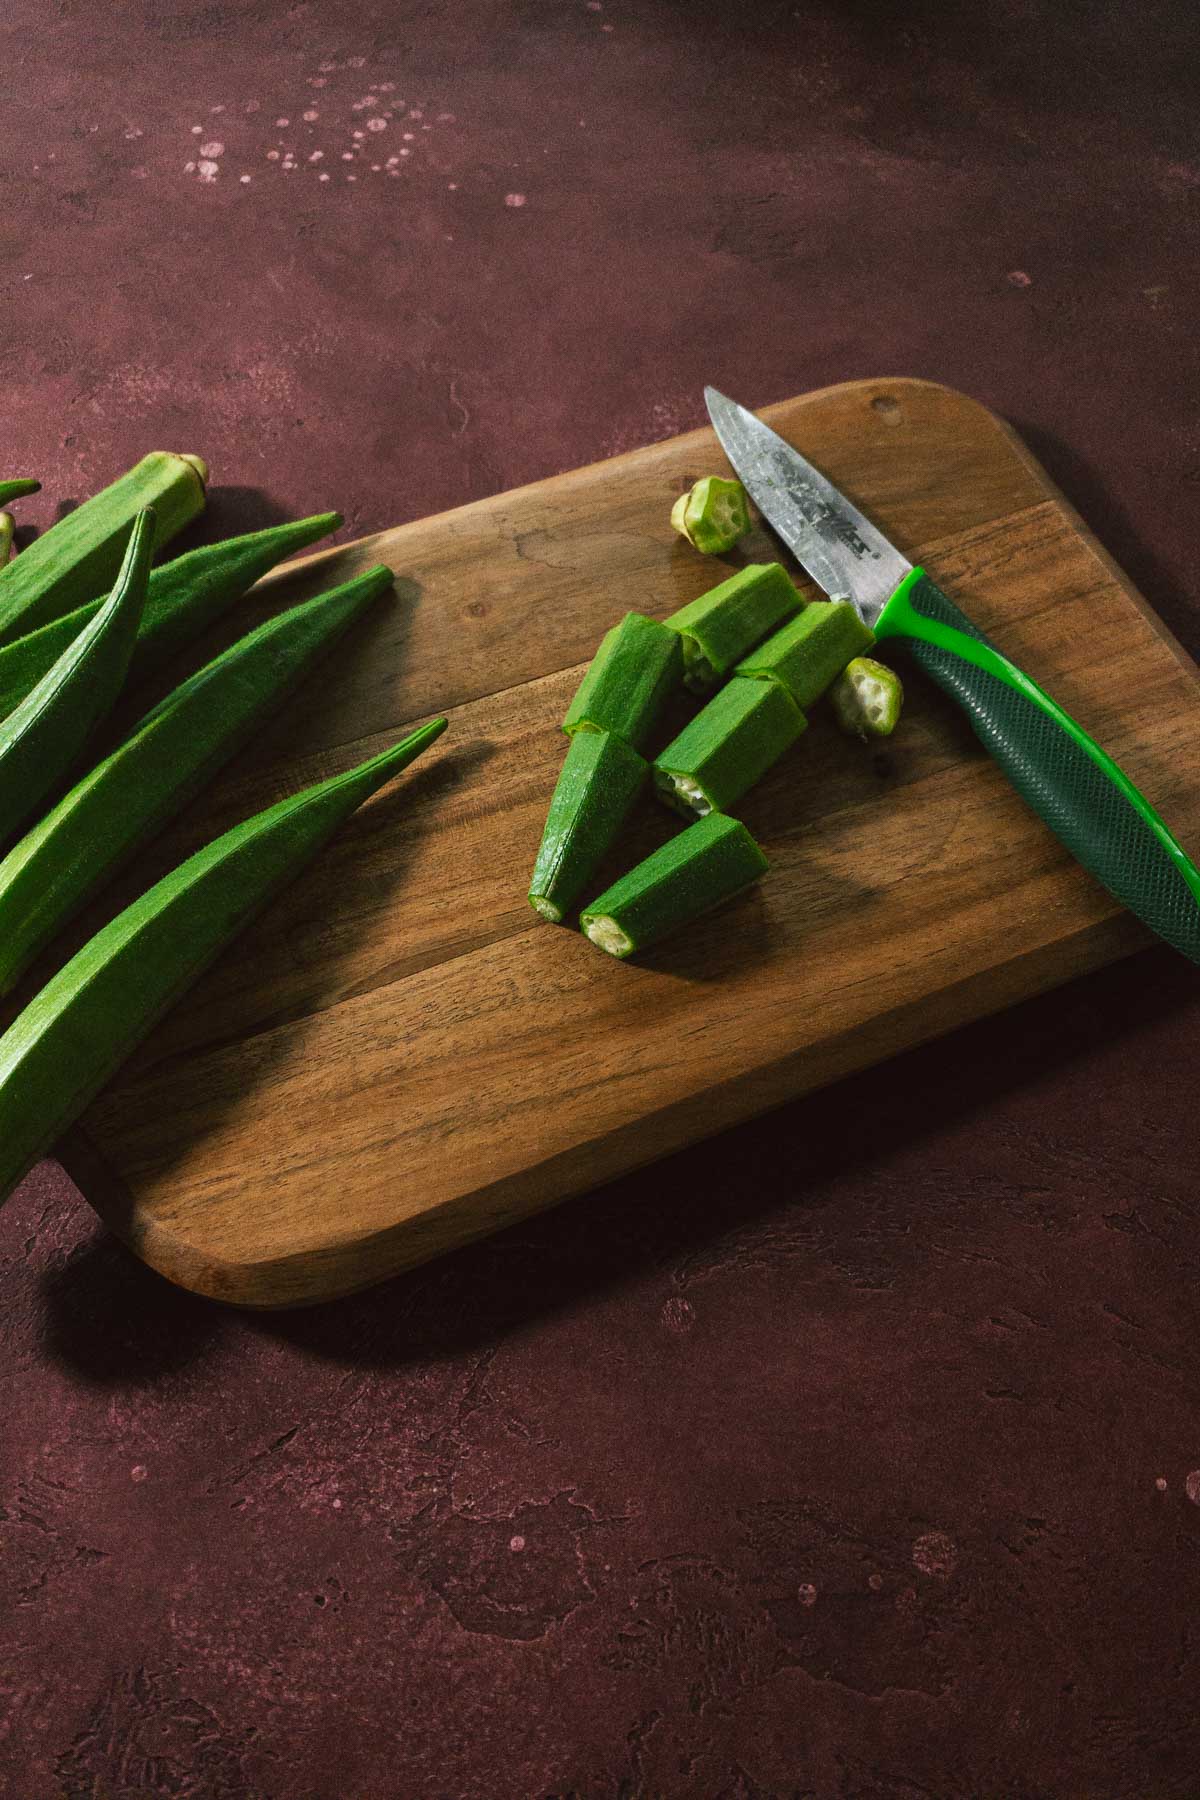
pixel 400 1057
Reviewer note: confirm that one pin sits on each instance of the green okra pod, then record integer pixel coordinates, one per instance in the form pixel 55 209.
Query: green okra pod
pixel 866 698
pixel 600 780
pixel 712 515
pixel 105 818
pixel 67 1042
pixel 722 625
pixel 698 869
pixel 17 490
pixel 809 651
pixel 731 742
pixel 77 559
pixel 184 598
pixel 41 738
pixel 628 681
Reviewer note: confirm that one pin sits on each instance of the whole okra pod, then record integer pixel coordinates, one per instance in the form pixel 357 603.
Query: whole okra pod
pixel 67 1042
pixel 698 869
pixel 41 738
pixel 105 818
pixel 77 558
pixel 184 598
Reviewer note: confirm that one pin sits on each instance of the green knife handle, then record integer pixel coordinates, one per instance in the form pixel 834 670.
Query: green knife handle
pixel 1070 782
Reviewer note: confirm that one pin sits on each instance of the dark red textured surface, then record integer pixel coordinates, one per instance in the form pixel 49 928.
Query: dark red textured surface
pixel 857 1454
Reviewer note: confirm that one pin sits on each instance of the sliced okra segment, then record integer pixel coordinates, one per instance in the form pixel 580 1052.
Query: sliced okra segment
pixel 600 780
pixel 638 665
pixel 723 624
pixel 712 515
pixel 7 526
pixel 710 862
pixel 809 651
pixel 746 726
pixel 866 698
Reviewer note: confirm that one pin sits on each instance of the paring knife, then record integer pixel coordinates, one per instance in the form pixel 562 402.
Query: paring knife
pixel 1074 785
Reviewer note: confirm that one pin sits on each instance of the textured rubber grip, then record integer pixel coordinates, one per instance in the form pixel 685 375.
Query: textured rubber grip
pixel 1083 797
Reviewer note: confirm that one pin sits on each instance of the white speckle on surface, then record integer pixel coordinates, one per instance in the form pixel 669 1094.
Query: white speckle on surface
pixel 138 1472
pixel 392 161
pixel 327 68
pixel 409 136
pixel 356 62
pixel 806 1594
pixel 214 147
pixel 352 178
pixel 453 186
pixel 245 180
pixel 1161 1484
pixel 514 199
pixel 1191 1487
pixel 1018 278
pixel 376 124
pixel 358 134
pixel 445 118
pixel 317 156
pixel 251 106
pixel 406 151
pixel 216 109
pixel 316 81
pixel 324 175
pixel 387 87
pixel 139 174
pixel 375 168
pixel 133 132
pixel 311 114
pixel 282 122
pixel 196 130
pixel 516 1543
pixel 207 169
pixel 934 1553
pixel 347 156
pixel 189 168
pixel 875 1582
pixel 430 128
pixel 272 156
pixel 337 1506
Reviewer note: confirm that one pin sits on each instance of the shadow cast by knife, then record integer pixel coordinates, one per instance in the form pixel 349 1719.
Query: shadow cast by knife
pixel 668 1215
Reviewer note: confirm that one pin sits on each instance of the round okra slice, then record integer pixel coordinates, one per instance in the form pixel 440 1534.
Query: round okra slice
pixel 712 515
pixel 710 862
pixel 866 698
pixel 746 726
pixel 601 778
pixel 723 624
pixel 638 665
pixel 809 651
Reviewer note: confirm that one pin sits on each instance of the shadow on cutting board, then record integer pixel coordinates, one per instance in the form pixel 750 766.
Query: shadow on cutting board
pixel 669 1217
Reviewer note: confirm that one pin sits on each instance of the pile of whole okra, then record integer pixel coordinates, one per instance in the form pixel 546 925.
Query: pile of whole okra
pixel 83 617
pixel 763 657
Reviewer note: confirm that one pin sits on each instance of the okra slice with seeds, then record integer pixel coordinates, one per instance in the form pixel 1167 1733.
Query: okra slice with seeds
pixel 41 738
pixel 179 745
pixel 600 780
pixel 730 619
pixel 866 698
pixel 722 752
pixel 712 515
pixel 809 651
pixel 698 869
pixel 638 665
pixel 59 1052
pixel 184 598
pixel 78 558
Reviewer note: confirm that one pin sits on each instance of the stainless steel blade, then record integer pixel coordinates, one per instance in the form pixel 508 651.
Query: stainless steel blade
pixel 840 549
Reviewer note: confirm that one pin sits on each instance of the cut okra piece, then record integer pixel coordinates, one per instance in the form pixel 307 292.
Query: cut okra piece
pixel 600 780
pixel 700 868
pixel 7 526
pixel 746 726
pixel 629 679
pixel 712 515
pixel 866 698
pixel 723 624
pixel 809 651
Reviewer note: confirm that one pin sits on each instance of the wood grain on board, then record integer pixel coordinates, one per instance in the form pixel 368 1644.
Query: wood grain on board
pixel 399 1056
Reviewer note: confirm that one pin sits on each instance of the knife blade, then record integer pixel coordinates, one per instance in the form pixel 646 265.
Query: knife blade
pixel 1074 786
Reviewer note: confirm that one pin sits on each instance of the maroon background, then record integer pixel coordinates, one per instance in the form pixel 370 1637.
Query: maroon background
pixel 850 1455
